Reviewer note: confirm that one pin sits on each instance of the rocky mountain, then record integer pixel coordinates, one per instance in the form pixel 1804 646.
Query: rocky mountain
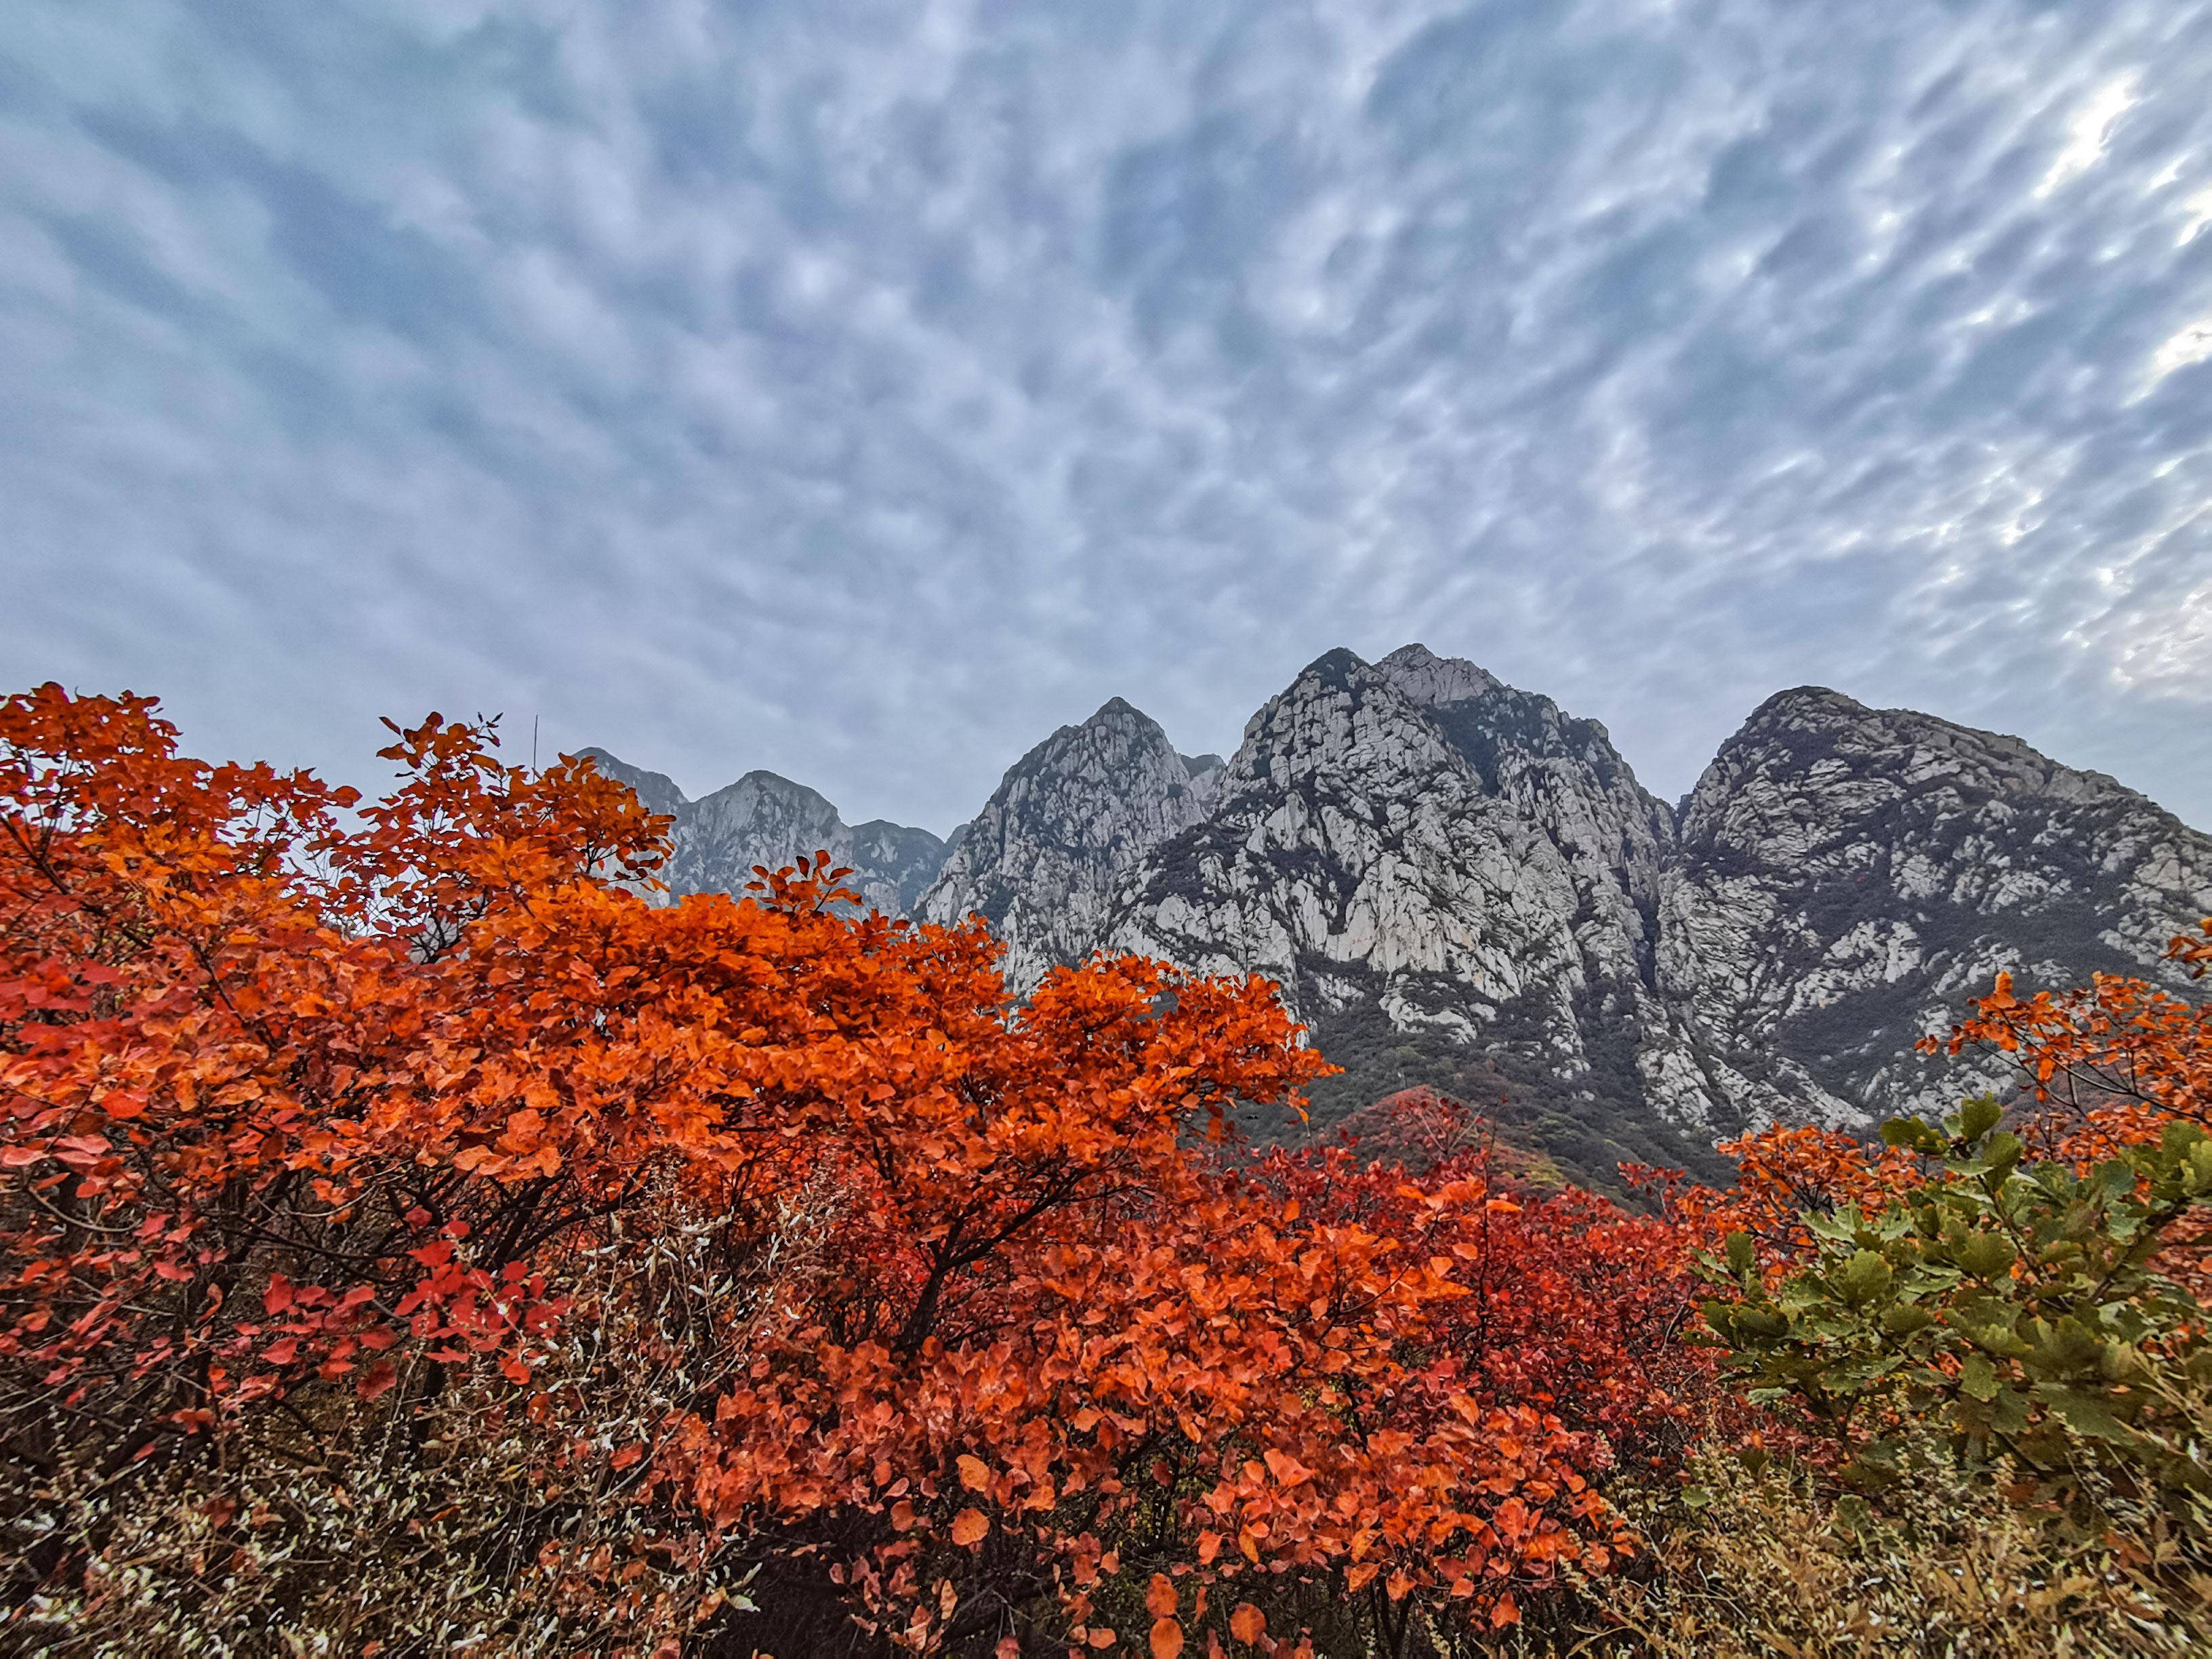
pixel 1846 877
pixel 656 792
pixel 1460 885
pixel 1456 885
pixel 1070 818
pixel 766 819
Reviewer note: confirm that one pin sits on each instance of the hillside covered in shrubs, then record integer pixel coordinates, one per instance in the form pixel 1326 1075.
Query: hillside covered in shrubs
pixel 413 1242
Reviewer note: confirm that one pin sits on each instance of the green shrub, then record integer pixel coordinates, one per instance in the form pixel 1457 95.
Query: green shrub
pixel 2017 1308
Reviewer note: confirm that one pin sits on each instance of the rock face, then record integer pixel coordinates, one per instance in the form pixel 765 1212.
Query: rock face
pixel 1846 877
pixel 1359 854
pixel 1070 818
pixel 898 858
pixel 1455 883
pixel 765 819
pixel 1458 884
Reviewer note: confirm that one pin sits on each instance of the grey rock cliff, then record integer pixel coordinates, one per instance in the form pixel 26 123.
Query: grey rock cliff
pixel 762 818
pixel 1454 882
pixel 768 820
pixel 1357 854
pixel 1041 859
pixel 1847 877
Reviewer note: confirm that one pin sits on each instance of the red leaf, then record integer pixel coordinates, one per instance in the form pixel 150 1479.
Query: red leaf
pixel 377 1380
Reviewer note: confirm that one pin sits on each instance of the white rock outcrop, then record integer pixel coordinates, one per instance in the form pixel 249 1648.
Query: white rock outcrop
pixel 1434 863
pixel 1041 859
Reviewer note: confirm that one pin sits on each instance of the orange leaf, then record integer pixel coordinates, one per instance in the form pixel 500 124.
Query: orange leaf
pixel 1167 1639
pixel 1160 1596
pixel 975 1475
pixel 968 1528
pixel 1246 1623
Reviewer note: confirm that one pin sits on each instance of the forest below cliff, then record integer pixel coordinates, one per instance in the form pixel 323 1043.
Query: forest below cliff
pixel 413 1240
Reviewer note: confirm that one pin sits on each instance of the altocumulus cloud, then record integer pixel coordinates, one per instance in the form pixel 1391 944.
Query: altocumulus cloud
pixel 859 390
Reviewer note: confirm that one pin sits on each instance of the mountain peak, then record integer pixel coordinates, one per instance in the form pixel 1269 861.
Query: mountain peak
pixel 1119 714
pixel 1068 818
pixel 790 797
pixel 1431 681
pixel 1816 700
pixel 1334 669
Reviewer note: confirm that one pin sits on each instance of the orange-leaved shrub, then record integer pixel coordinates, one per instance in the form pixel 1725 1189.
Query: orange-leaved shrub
pixel 327 1124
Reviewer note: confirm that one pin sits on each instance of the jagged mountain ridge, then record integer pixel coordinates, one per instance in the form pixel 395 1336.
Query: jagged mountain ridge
pixel 766 819
pixel 1846 877
pixel 1459 883
pixel 1453 881
pixel 1041 861
pixel 1357 853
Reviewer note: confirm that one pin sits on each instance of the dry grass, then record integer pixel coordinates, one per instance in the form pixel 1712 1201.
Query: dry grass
pixel 1763 1565
pixel 464 1525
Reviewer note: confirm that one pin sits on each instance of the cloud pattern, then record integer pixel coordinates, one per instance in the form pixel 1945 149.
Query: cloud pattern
pixel 860 389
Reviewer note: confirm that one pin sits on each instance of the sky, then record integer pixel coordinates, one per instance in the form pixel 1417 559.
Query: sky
pixel 861 390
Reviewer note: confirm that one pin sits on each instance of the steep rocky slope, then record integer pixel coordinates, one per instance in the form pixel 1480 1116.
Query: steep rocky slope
pixel 766 819
pixel 1846 877
pixel 1455 883
pixel 1357 854
pixel 1460 885
pixel 1041 861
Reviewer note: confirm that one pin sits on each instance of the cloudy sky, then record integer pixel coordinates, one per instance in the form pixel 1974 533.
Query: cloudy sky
pixel 861 389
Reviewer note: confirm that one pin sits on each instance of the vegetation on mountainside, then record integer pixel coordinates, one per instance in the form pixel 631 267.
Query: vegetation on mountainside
pixel 412 1241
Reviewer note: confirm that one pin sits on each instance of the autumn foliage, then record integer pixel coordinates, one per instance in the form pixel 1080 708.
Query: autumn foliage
pixel 793 1286
pixel 314 1105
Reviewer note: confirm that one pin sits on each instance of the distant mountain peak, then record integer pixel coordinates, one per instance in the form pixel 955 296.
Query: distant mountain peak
pixel 1818 698
pixel 1041 861
pixel 655 792
pixel 1430 680
pixel 1848 876
pixel 1336 668
pixel 768 819
pixel 774 785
